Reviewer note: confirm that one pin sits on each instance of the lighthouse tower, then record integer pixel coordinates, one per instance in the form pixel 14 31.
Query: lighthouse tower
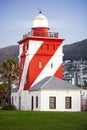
pixel 40 60
pixel 40 54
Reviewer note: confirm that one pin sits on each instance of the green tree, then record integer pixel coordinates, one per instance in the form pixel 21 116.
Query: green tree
pixel 10 71
pixel 3 93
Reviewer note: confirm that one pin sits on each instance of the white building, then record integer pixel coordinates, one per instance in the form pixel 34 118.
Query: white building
pixel 50 94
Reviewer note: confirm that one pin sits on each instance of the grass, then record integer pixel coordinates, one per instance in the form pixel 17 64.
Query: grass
pixel 29 120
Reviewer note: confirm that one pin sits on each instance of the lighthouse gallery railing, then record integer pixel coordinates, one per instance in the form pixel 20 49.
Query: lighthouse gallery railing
pixel 41 34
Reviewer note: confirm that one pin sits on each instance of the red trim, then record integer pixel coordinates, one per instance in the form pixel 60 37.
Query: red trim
pixel 23 41
pixel 22 59
pixel 22 62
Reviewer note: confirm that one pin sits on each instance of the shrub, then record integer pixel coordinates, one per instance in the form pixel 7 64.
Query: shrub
pixel 13 107
pixel 7 107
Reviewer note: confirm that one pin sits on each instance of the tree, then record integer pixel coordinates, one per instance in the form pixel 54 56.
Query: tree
pixel 3 93
pixel 10 71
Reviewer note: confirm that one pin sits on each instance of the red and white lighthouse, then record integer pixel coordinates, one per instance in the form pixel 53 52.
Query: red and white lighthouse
pixel 40 59
pixel 40 54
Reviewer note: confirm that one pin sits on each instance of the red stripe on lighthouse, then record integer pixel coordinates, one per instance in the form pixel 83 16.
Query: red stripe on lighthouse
pixel 43 55
pixel 22 62
pixel 28 56
pixel 59 72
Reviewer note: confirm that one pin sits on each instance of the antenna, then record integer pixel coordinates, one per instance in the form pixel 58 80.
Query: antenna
pixel 39 11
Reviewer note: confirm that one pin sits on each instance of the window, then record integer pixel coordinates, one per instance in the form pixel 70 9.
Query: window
pixel 40 64
pixel 36 101
pixel 19 102
pixel 52 47
pixel 46 47
pixel 23 48
pixel 32 103
pixel 26 47
pixel 51 65
pixel 67 102
pixel 52 102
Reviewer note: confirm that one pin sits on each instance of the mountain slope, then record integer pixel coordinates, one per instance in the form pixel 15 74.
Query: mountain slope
pixel 11 51
pixel 76 50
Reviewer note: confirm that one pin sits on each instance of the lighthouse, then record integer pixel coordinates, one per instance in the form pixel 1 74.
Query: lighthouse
pixel 41 87
pixel 40 54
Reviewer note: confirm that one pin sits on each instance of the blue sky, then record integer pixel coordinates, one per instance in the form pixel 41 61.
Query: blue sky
pixel 67 17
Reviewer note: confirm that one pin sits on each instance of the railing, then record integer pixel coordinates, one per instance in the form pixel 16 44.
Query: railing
pixel 41 34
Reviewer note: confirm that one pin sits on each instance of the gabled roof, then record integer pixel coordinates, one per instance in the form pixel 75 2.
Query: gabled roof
pixel 53 83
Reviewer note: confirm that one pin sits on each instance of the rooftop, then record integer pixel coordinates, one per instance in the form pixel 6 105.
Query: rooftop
pixel 53 83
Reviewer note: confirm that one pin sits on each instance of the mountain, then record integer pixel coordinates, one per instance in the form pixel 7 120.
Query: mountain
pixel 10 51
pixel 73 51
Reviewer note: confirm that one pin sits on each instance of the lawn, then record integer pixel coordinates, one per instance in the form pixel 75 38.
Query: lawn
pixel 29 120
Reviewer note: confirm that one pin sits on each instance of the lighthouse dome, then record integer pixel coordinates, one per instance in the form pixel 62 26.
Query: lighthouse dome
pixel 40 21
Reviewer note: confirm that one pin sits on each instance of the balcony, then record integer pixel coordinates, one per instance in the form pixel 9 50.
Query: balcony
pixel 41 34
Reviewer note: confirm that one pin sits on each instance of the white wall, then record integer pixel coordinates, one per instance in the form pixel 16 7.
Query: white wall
pixel 60 100
pixel 15 99
pixel 24 102
pixel 34 94
pixel 43 100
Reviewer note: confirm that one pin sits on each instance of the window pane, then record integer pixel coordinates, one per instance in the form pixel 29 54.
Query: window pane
pixel 40 64
pixel 67 102
pixel 52 102
pixel 51 65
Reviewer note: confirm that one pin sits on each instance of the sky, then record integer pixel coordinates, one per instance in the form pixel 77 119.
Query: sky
pixel 67 17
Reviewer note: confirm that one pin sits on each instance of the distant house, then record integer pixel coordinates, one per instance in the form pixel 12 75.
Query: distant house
pixel 84 100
